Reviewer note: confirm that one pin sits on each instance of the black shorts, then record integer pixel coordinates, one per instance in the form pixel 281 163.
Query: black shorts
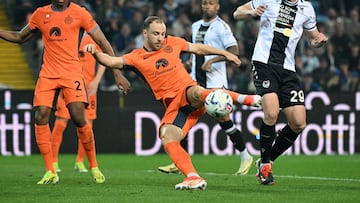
pixel 270 78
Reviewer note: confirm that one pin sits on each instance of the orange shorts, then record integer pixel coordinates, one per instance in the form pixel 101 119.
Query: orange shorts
pixel 73 89
pixel 62 110
pixel 180 113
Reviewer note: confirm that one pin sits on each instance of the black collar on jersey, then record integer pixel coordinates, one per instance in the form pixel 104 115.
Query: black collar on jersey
pixel 147 49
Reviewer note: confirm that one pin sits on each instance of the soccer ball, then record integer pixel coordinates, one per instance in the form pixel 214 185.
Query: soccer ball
pixel 218 103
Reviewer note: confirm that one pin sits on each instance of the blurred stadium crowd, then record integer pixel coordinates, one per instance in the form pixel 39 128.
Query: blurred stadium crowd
pixel 332 68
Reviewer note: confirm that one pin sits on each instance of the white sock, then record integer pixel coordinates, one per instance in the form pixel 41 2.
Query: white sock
pixel 193 174
pixel 241 98
pixel 244 155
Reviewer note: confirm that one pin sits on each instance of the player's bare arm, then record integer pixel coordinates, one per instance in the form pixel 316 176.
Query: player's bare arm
pixel 17 36
pixel 104 59
pixel 317 39
pixel 188 63
pixel 99 37
pixel 245 11
pixel 207 65
pixel 202 49
pixel 94 84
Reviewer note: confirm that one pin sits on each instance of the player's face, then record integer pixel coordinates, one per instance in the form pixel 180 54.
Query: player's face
pixel 154 36
pixel 210 9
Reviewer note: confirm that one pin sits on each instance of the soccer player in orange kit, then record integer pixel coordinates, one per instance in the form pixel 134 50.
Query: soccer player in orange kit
pixel 61 24
pixel 92 75
pixel 211 72
pixel 160 65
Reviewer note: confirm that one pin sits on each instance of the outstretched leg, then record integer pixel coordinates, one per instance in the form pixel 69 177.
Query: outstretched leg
pixel 170 136
pixel 249 100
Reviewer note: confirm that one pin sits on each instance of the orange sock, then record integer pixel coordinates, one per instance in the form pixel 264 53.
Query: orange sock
pixel 86 136
pixel 180 157
pixel 56 137
pixel 80 153
pixel 43 140
pixel 245 99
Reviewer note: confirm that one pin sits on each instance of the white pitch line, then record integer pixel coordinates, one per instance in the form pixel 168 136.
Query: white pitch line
pixel 280 176
pixel 321 178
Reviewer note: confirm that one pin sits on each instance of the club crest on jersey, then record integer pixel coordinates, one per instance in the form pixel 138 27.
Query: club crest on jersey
pixel 161 63
pixel 266 84
pixel 68 19
pixel 168 49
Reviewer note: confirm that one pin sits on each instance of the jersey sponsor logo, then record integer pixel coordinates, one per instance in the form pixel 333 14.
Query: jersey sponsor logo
pixel 55 31
pixel 285 19
pixel 200 35
pixel 282 32
pixel 286 16
pixel 162 67
pixel 161 63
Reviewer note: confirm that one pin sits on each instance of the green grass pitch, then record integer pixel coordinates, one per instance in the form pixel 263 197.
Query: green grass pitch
pixel 133 179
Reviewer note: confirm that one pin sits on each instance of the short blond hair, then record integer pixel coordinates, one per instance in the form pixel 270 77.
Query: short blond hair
pixel 151 19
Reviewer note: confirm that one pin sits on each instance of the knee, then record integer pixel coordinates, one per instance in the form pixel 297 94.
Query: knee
pixel 297 123
pixel 169 133
pixel 78 121
pixel 41 117
pixel 270 117
pixel 297 127
pixel 78 118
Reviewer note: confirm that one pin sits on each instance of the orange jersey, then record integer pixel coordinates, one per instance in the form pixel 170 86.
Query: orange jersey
pixel 61 34
pixel 163 69
pixel 88 61
pixel 89 65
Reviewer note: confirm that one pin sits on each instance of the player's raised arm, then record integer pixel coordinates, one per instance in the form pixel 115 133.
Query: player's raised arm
pixel 203 49
pixel 17 36
pixel 99 37
pixel 104 59
pixel 246 11
pixel 207 64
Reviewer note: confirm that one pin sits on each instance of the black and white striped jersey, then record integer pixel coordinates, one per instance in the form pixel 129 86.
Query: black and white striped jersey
pixel 281 27
pixel 218 34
